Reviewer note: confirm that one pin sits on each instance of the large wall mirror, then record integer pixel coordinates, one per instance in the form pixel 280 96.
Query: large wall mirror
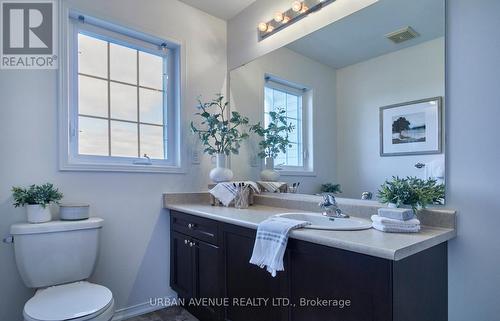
pixel 365 95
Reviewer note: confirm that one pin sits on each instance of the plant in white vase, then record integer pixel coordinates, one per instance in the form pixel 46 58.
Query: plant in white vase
pixel 220 133
pixel 36 198
pixel 275 140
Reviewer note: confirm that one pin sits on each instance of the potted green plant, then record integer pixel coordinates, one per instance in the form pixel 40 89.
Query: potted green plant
pixel 36 198
pixel 275 140
pixel 220 133
pixel 411 192
pixel 331 188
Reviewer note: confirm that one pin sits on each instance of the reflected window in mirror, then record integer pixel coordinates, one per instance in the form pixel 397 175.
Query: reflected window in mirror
pixel 293 99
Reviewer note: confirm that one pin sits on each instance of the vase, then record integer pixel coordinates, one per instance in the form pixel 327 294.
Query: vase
pixel 38 214
pixel 221 173
pixel 269 173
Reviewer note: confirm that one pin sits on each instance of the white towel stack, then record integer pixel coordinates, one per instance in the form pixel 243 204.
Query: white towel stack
pixel 396 220
pixel 270 242
pixel 227 191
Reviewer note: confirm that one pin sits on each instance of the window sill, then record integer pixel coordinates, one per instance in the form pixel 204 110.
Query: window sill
pixel 299 172
pixel 87 167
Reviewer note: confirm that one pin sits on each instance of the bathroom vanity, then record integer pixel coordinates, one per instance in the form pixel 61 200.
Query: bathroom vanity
pixel 329 275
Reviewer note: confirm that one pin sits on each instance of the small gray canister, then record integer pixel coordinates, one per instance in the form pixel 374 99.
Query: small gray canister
pixel 74 212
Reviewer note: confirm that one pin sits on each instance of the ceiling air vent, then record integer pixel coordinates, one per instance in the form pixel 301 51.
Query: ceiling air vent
pixel 402 35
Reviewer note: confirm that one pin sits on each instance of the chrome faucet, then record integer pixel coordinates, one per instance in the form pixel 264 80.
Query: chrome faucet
pixel 330 207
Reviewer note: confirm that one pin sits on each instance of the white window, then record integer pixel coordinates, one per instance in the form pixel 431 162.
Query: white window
pixel 296 101
pixel 122 105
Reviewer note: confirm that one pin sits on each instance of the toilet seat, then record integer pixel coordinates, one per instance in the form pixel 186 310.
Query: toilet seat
pixel 76 301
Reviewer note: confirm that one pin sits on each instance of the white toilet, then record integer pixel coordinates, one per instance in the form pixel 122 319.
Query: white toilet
pixel 56 258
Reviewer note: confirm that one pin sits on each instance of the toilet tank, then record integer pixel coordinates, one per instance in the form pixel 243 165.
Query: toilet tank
pixel 56 252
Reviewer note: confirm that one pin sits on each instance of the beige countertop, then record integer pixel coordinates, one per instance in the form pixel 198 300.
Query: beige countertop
pixel 392 246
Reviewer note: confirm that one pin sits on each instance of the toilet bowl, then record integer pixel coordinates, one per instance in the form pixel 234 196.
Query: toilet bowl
pixel 56 258
pixel 78 301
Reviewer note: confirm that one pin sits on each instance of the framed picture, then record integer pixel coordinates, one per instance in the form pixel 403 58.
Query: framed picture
pixel 411 128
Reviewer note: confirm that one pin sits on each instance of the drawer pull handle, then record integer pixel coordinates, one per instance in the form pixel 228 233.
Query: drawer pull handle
pixel 191 226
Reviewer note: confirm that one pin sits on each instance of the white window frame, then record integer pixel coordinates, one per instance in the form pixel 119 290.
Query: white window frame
pixel 307 168
pixel 69 159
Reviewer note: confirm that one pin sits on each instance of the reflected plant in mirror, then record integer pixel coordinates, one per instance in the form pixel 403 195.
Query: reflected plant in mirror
pixel 411 191
pixel 275 140
pixel 331 188
pixel 275 134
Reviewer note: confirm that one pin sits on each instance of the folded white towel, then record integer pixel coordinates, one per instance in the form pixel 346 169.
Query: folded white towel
pixel 389 221
pixel 270 242
pixel 394 229
pixel 396 213
pixel 272 187
pixel 385 224
pixel 226 191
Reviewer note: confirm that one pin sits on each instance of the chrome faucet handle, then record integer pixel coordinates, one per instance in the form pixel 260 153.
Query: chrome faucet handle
pixel 330 207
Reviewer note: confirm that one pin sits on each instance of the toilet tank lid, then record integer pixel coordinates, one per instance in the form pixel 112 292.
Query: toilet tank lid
pixel 56 226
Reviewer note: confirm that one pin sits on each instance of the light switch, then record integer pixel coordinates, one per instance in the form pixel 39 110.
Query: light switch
pixel 195 157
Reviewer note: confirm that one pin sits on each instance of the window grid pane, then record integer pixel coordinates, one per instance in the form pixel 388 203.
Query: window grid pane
pixel 130 101
pixel 292 104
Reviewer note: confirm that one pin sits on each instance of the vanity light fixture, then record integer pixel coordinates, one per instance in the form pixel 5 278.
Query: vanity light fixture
pixel 262 27
pixel 278 16
pixel 297 6
pixel 282 19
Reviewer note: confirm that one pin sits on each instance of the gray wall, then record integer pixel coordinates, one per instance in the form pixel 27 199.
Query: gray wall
pixel 473 117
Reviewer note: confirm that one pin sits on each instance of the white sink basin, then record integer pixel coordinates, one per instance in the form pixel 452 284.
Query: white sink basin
pixel 321 222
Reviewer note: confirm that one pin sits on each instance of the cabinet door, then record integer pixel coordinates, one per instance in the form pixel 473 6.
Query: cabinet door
pixel 324 273
pixel 181 265
pixel 247 281
pixel 208 278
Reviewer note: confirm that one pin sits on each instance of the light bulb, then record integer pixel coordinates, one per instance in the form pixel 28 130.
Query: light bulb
pixel 304 8
pixel 278 16
pixel 263 26
pixel 270 28
pixel 285 19
pixel 296 6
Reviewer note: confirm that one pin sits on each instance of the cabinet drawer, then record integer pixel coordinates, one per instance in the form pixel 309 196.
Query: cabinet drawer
pixel 200 228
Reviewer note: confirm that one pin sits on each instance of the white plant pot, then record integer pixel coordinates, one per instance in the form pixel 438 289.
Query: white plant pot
pixel 221 173
pixel 269 173
pixel 38 214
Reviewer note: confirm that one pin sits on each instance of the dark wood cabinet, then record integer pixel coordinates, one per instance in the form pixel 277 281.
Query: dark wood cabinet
pixel 319 283
pixel 333 284
pixel 245 280
pixel 195 265
pixel 181 265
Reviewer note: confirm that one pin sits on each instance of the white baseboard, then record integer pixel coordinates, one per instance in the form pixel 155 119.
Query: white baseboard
pixel 135 310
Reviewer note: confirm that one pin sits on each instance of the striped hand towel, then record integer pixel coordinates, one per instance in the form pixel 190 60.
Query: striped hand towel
pixel 270 242
pixel 226 192
pixel 273 187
